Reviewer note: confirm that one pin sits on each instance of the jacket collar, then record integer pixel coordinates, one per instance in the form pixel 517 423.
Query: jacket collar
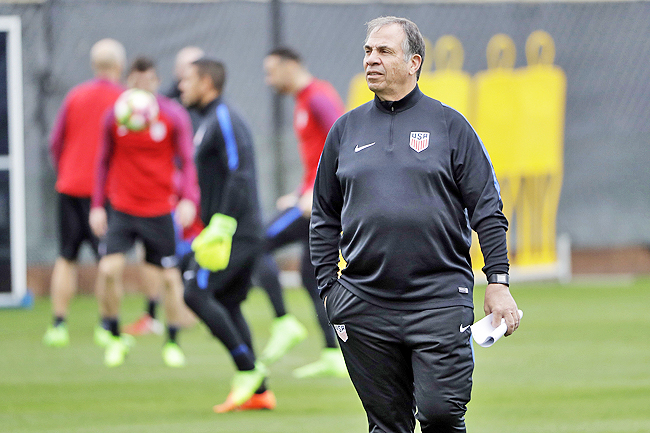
pixel 212 105
pixel 403 104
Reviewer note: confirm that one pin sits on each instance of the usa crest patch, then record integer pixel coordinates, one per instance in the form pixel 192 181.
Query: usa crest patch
pixel 419 141
pixel 341 332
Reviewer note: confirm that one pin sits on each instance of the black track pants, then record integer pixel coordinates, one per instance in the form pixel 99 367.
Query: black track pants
pixel 406 363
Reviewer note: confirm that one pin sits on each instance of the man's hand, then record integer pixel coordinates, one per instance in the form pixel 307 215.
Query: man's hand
pixel 499 301
pixel 305 201
pixel 286 201
pixel 98 221
pixel 212 246
pixel 185 212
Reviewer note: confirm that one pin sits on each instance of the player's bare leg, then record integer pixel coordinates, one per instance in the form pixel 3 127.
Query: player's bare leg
pixel 111 272
pixel 102 333
pixel 173 298
pixel 152 281
pixel 63 286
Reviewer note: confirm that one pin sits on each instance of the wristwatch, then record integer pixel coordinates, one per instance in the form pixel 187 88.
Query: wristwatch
pixel 499 279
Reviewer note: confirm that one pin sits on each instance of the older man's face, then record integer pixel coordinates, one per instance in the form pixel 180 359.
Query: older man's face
pixel 387 74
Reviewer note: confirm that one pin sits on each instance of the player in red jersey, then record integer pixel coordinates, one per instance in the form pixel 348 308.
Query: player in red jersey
pixel 74 143
pixel 318 105
pixel 139 168
pixel 219 272
pixel 147 323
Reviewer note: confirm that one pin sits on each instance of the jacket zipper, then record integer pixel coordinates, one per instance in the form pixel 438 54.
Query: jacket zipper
pixel 390 137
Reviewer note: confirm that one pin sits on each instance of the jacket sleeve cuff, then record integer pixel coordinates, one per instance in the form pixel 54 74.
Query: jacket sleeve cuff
pixel 325 289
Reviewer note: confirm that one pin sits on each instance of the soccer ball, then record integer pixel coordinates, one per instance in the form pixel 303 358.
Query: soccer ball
pixel 136 109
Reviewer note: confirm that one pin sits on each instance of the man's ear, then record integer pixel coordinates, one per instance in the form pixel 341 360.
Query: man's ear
pixel 416 63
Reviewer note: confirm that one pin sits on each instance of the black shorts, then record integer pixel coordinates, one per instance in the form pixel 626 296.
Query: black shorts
pixel 74 227
pixel 406 362
pixel 231 285
pixel 156 233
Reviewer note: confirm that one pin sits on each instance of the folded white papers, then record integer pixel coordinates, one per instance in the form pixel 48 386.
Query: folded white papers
pixel 485 334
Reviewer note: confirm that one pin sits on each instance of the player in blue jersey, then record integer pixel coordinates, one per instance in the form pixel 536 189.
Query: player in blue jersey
pixel 219 274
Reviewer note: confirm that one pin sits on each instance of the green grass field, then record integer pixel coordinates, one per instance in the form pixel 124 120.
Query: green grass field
pixel 580 362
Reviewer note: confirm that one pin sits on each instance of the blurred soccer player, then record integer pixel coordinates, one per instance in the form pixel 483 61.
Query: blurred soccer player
pixel 73 148
pixel 219 274
pixel 318 105
pixel 139 167
pixel 147 323
pixel 183 60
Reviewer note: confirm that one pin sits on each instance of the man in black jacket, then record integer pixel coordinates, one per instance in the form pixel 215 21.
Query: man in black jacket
pixel 219 275
pixel 402 181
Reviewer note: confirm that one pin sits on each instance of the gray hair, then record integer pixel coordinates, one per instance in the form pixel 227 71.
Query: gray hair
pixel 413 42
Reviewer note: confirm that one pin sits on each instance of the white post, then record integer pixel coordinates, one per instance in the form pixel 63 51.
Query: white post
pixel 14 162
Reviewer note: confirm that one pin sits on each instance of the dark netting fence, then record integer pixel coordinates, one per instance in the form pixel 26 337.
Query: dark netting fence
pixel 602 47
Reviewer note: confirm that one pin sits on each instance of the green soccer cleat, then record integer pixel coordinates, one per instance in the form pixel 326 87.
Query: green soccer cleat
pixel 330 364
pixel 244 385
pixel 117 349
pixel 102 336
pixel 286 332
pixel 172 355
pixel 57 336
pixel 128 339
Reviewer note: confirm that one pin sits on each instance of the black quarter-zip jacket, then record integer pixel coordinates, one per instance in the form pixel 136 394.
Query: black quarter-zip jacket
pixel 225 164
pixel 400 205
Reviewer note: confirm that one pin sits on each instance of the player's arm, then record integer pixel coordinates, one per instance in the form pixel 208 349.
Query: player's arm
pixel 188 185
pixel 57 135
pixel 213 245
pixel 98 220
pixel 234 196
pixel 479 188
pixel 325 225
pixel 325 110
pixel 286 201
pixel 306 201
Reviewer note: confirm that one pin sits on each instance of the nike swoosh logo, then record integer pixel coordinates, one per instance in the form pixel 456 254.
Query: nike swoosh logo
pixel 463 328
pixel 360 148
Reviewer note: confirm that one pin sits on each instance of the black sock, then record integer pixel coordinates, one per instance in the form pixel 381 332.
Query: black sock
pixel 262 388
pixel 172 331
pixel 58 320
pixel 152 304
pixel 113 326
pixel 243 358
pixel 105 323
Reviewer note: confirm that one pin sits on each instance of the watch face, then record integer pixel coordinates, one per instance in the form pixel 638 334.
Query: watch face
pixel 499 279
